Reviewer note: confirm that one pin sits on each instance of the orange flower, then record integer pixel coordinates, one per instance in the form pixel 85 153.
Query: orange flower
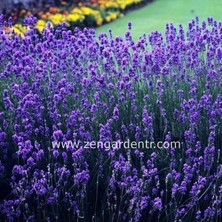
pixel 63 3
pixel 44 16
pixel 23 12
pixel 54 9
pixel 6 29
pixel 48 14
pixel 40 13
pixel 65 13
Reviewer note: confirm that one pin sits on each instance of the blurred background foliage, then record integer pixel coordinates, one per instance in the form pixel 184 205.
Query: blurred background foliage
pixel 90 13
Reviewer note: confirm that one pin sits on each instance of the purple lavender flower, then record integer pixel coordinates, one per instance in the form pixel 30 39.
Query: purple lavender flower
pixel 66 88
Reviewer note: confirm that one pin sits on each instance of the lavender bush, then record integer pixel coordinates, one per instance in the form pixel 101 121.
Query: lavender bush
pixel 71 86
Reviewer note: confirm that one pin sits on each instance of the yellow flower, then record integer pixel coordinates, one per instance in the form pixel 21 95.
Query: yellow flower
pixel 108 19
pixel 76 11
pixel 73 17
pixel 87 10
pixel 19 29
pixel 57 18
pixel 99 21
pixel 117 4
pixel 41 22
pixel 40 25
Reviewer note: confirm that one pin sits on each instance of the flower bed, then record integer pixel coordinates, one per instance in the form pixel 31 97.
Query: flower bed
pixel 88 14
pixel 71 86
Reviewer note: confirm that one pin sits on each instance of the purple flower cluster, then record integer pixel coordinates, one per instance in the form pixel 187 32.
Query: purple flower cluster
pixel 73 86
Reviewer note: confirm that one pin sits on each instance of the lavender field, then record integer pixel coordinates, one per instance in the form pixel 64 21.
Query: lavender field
pixel 70 85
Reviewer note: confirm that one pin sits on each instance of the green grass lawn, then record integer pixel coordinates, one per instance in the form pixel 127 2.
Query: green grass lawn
pixel 155 15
